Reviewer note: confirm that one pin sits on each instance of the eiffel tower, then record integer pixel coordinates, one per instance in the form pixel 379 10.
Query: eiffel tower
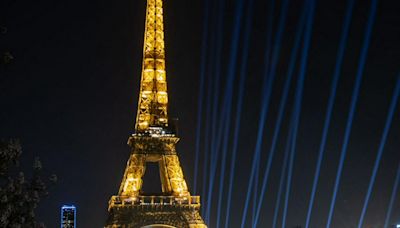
pixel 154 141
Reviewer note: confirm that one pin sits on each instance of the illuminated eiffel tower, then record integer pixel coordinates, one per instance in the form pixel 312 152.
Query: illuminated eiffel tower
pixel 154 141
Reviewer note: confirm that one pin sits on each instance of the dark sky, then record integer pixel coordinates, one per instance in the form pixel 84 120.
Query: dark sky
pixel 71 94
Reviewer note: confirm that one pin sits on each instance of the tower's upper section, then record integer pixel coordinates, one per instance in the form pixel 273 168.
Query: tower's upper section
pixel 153 97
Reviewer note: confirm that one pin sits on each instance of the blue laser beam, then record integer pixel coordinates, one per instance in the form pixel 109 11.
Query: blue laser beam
pixel 216 74
pixel 242 80
pixel 281 110
pixel 267 87
pixel 225 116
pixel 283 174
pixel 215 94
pixel 382 144
pixel 298 101
pixel 222 175
pixel 392 197
pixel 212 172
pixel 295 116
pixel 216 84
pixel 354 100
pixel 206 141
pixel 238 115
pixel 200 96
pixel 331 102
pixel 270 20
pixel 207 130
pixel 255 192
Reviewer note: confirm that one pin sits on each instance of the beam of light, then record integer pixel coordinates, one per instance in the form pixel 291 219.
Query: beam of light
pixel 200 96
pixel 225 117
pixel 298 101
pixel 255 192
pixel 267 87
pixel 382 144
pixel 212 69
pixel 270 20
pixel 242 80
pixel 239 106
pixel 283 175
pixel 213 169
pixel 266 94
pixel 207 130
pixel 392 198
pixel 206 142
pixel 216 75
pixel 222 174
pixel 281 109
pixel 360 71
pixel 331 102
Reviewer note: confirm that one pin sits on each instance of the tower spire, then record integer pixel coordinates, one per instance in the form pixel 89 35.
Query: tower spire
pixel 153 96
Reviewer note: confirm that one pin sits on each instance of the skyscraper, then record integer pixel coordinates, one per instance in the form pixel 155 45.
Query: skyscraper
pixel 68 216
pixel 154 141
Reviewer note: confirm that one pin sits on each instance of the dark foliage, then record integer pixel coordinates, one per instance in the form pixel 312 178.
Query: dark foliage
pixel 5 55
pixel 19 194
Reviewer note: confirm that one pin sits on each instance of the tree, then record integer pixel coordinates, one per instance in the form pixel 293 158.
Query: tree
pixel 5 55
pixel 19 195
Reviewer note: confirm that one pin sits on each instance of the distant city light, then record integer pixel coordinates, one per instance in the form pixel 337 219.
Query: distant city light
pixel 68 216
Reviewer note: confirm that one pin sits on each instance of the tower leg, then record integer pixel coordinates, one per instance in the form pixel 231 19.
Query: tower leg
pixel 172 175
pixel 133 180
pixel 165 183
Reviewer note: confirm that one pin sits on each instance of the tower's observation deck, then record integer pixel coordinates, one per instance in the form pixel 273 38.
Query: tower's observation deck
pixel 154 142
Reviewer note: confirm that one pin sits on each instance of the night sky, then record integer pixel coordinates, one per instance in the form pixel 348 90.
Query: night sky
pixel 70 95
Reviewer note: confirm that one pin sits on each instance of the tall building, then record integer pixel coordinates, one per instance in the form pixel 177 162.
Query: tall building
pixel 154 141
pixel 68 216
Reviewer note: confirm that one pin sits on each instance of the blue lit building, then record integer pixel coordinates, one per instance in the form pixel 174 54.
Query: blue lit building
pixel 68 216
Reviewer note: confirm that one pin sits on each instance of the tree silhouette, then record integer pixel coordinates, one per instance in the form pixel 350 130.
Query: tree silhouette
pixel 19 194
pixel 5 55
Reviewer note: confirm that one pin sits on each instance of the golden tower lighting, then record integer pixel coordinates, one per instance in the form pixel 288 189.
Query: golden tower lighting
pixel 153 141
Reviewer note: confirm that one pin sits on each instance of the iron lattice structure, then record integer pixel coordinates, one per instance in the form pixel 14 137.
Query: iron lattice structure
pixel 154 142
